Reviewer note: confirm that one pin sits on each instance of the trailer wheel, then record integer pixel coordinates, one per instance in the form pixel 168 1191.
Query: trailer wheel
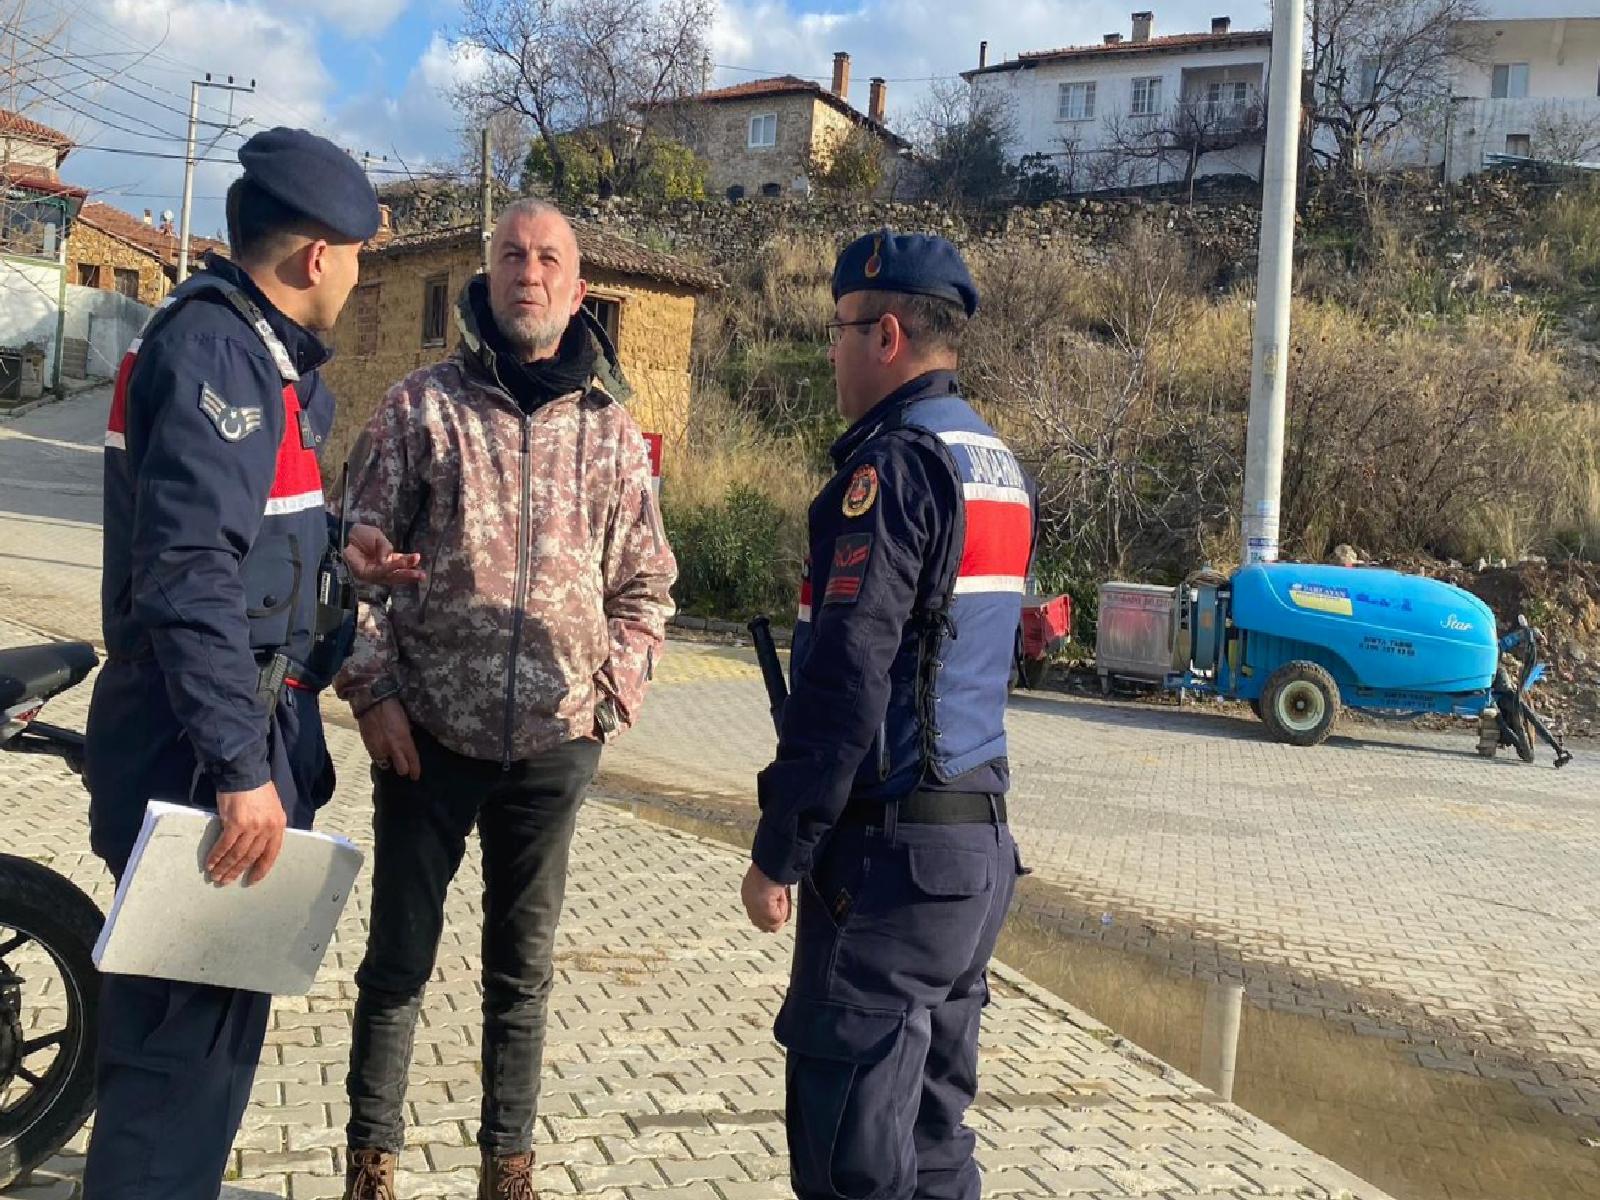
pixel 1300 703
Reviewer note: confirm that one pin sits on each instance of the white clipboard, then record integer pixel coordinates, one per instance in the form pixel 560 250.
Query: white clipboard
pixel 169 921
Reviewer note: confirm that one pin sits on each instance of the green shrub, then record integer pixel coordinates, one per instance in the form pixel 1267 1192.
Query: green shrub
pixel 730 560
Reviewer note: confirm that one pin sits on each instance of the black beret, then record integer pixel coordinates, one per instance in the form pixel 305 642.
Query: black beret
pixel 314 177
pixel 916 263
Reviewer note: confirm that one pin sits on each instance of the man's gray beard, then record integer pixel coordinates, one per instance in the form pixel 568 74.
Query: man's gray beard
pixel 529 334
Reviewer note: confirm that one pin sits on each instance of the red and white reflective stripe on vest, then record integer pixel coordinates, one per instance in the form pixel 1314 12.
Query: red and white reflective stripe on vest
pixel 296 481
pixel 999 519
pixel 805 594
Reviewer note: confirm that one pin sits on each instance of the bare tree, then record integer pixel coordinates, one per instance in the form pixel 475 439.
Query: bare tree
pixel 1565 135
pixel 1130 469
pixel 1176 141
pixel 965 133
pixel 31 221
pixel 1377 66
pixel 509 137
pixel 611 68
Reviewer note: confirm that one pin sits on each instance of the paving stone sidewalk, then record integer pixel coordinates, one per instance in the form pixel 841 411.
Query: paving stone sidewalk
pixel 662 1080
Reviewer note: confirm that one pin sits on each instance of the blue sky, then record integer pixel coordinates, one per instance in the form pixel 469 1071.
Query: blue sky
pixel 374 74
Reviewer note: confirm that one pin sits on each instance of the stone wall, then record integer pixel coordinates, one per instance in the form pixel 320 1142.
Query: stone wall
pixel 722 233
pixel 94 247
pixel 378 340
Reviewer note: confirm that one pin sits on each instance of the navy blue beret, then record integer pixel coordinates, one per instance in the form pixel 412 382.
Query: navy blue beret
pixel 314 177
pixel 905 262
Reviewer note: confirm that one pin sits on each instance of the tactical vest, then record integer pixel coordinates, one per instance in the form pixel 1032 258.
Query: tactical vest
pixel 946 713
pixel 280 572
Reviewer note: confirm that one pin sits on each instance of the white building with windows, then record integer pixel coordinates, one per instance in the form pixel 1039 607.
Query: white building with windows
pixel 1530 88
pixel 1137 110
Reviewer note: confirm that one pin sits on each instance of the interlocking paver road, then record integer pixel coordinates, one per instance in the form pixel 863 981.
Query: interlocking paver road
pixel 663 1080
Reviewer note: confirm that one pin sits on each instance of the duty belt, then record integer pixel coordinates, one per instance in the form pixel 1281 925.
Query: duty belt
pixel 930 808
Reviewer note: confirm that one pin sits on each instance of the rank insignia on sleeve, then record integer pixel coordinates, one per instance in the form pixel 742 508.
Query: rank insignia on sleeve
pixel 232 422
pixel 851 553
pixel 862 492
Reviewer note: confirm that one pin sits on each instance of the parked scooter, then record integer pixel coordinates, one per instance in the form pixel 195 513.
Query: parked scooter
pixel 49 988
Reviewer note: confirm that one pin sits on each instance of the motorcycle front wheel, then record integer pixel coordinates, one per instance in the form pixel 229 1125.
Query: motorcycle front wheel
pixel 49 997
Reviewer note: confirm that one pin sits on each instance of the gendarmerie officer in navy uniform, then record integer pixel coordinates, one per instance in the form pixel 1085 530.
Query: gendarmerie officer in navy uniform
pixel 217 544
pixel 886 802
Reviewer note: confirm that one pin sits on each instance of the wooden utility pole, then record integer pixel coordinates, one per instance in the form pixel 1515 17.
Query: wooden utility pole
pixel 486 226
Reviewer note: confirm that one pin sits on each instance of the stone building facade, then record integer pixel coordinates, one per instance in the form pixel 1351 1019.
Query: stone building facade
pixel 764 138
pixel 402 316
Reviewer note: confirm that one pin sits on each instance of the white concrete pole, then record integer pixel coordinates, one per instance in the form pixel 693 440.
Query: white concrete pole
pixel 188 183
pixel 1263 464
pixel 1219 1037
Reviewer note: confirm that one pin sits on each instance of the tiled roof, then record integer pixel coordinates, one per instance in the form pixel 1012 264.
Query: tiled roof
pixel 39 179
pixel 17 125
pixel 126 227
pixel 793 85
pixel 1176 43
pixel 608 251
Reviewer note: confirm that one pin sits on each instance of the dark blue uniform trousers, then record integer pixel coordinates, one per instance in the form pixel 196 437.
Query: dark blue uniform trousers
pixel 896 926
pixel 176 1061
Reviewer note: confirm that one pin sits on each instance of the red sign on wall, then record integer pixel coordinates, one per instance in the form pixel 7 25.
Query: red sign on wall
pixel 653 440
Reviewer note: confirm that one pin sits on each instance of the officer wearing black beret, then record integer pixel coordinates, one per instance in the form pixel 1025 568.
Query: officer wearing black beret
pixel 216 542
pixel 886 801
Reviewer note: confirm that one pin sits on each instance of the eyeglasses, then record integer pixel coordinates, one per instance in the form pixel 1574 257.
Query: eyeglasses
pixel 836 328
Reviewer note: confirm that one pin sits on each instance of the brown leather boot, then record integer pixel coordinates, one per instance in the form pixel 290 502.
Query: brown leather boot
pixel 369 1175
pixel 507 1177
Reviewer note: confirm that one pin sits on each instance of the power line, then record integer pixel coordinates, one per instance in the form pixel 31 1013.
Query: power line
pixel 79 13
pixel 827 78
pixel 158 154
pixel 61 98
pixel 110 81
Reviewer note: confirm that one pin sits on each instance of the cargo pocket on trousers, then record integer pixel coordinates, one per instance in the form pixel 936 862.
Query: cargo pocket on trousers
pixel 948 873
pixel 843 1093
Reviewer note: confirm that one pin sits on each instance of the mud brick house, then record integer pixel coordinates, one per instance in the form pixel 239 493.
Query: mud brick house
pixel 402 316
pixel 116 251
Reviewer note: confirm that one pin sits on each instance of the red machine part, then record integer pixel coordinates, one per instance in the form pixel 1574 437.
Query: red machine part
pixel 1046 625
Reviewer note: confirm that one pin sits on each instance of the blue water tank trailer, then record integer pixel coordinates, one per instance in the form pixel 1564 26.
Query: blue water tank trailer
pixel 1298 640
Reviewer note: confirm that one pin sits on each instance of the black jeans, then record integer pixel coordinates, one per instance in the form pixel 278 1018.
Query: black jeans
pixel 525 818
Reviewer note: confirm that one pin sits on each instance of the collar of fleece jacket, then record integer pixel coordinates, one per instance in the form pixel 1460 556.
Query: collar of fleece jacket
pixel 479 356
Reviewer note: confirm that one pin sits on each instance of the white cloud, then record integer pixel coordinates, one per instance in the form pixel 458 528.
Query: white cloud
pixel 355 18
pixel 140 102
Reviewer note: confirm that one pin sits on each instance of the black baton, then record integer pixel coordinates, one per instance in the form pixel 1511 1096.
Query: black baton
pixel 771 668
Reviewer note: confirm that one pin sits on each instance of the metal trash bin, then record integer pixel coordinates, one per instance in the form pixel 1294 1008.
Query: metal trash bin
pixel 1134 637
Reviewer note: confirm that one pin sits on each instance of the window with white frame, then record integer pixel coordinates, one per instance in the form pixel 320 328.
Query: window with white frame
pixel 1519 144
pixel 1227 99
pixel 1509 82
pixel 764 130
pixel 1076 102
pixel 1147 96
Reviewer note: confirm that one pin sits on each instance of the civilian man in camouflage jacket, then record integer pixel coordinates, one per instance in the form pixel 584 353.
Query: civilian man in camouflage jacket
pixel 485 692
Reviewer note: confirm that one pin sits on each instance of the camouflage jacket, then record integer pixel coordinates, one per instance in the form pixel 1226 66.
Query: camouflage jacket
pixel 548 583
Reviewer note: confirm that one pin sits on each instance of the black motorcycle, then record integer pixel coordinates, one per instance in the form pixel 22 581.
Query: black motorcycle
pixel 49 988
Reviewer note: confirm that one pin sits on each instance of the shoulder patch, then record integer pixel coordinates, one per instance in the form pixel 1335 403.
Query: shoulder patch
pixel 851 553
pixel 862 493
pixel 232 422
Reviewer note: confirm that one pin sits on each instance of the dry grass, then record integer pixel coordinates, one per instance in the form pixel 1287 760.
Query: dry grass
pixel 1427 414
